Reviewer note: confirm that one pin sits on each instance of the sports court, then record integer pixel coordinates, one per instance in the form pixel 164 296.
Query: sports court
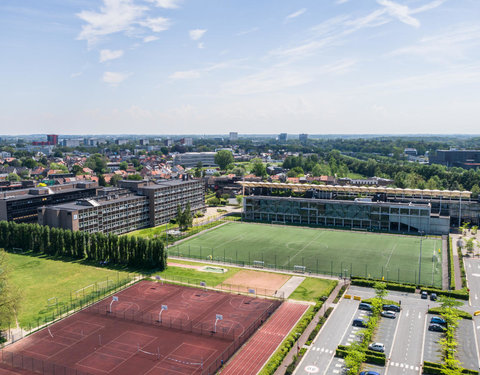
pixel 331 252
pixel 197 331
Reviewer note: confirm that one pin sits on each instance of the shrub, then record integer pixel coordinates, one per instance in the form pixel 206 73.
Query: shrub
pixel 451 265
pixel 461 313
pixel 459 294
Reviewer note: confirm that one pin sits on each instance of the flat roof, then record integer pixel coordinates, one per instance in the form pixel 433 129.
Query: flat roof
pixel 161 184
pixel 361 189
pixel 29 196
pixel 73 206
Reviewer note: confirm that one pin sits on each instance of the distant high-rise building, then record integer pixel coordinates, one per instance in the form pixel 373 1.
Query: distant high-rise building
pixel 168 142
pixel 52 139
pixel 144 142
pixel 303 138
pixel 282 137
pixel 187 141
pixel 233 136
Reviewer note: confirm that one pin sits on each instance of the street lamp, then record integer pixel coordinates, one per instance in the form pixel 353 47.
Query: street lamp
pixel 421 232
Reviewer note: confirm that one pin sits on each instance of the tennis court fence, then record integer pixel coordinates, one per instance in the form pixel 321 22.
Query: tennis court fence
pixel 38 366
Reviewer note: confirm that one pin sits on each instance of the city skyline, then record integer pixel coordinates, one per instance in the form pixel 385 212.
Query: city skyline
pixel 211 67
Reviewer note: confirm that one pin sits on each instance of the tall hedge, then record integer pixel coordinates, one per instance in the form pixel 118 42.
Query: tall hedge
pixel 92 246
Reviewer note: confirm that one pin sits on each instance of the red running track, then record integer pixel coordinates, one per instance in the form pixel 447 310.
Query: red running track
pixel 265 341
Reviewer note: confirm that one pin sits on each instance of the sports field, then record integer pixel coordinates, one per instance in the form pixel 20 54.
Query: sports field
pixel 332 252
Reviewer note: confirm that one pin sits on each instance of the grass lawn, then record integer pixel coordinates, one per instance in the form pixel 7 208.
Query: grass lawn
pixel 40 278
pixel 311 289
pixel 334 252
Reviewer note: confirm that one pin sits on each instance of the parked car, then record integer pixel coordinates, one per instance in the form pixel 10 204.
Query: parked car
pixel 365 306
pixel 424 295
pixel 369 373
pixel 388 314
pixel 436 328
pixel 359 323
pixel 438 320
pixel 433 296
pixel 377 347
pixel 391 308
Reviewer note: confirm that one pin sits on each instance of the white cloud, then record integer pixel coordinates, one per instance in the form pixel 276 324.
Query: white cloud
pixel 295 14
pixel 168 4
pixel 114 16
pixel 196 34
pixel 341 1
pixel 187 74
pixel 150 38
pixel 200 45
pixel 403 12
pixel 157 24
pixel 114 78
pixel 106 55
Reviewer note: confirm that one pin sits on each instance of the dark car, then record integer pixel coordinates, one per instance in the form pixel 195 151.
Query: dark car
pixel 391 308
pixel 438 320
pixel 436 328
pixel 424 295
pixel 369 373
pixel 359 323
pixel 365 306
pixel 433 296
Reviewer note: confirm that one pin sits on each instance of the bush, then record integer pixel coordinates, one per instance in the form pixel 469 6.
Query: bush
pixel 436 368
pixel 340 293
pixel 409 288
pixel 385 301
pixel 461 313
pixel 451 265
pixel 462 268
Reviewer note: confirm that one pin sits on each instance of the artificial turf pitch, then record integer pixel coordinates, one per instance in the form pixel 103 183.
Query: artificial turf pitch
pixel 332 252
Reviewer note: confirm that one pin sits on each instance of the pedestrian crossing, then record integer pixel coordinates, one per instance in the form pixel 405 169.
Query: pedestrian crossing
pixel 404 365
pixel 322 350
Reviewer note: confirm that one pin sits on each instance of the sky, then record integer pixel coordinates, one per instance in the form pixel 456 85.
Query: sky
pixel 250 66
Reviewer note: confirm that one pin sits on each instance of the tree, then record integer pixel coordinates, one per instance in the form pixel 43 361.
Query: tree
pixel 239 171
pixel 115 179
pixel 258 168
pixel 97 163
pixel 10 296
pixel 223 158
pixel 77 169
pixel 59 167
pixel 123 165
pixel 12 177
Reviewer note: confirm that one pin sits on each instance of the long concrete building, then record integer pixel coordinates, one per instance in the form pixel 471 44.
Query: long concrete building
pixel 133 205
pixel 365 208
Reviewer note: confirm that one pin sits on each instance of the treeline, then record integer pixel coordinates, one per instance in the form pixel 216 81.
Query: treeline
pixel 131 251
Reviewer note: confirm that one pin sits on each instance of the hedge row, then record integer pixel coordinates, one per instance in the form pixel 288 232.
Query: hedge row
pixel 289 342
pixel 372 357
pixel 321 321
pixel 385 301
pixel 340 293
pixel 436 369
pixel 462 267
pixel 409 288
pixel 459 294
pixel 451 265
pixel 461 313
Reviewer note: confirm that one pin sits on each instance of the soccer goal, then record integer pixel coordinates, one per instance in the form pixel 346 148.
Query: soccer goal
pixel 258 264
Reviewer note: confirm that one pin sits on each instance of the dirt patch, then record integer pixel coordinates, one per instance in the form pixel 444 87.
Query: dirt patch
pixel 184 265
pixel 262 282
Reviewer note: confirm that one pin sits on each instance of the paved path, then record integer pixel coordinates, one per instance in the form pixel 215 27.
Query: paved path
pixel 289 287
pixel 251 358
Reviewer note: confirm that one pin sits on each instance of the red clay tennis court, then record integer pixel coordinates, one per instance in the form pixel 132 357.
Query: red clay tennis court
pixel 129 336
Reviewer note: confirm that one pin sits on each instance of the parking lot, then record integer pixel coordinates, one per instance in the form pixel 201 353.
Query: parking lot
pixel 407 340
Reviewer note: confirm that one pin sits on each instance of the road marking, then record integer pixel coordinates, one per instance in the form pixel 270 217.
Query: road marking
pixel 423 338
pixel 341 360
pixel 469 265
pixel 416 368
pixel 349 340
pixel 476 297
pixel 321 350
pixel 401 365
pixel 338 365
pixel 476 342
pixel 419 315
pixel 335 371
pixel 411 367
pixel 406 314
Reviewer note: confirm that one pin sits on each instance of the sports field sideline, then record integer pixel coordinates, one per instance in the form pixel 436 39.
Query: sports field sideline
pixel 331 252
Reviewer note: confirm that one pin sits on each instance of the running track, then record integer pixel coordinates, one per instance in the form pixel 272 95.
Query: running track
pixel 265 341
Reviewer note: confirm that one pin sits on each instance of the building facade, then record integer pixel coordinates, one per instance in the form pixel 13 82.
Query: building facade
pixel 21 205
pixel 360 207
pixel 134 205
pixel 191 159
pixel 456 158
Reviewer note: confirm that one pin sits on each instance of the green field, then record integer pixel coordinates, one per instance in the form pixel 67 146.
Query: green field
pixel 39 279
pixel 332 252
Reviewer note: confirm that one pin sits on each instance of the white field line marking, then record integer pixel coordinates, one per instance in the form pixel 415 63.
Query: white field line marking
pixel 391 253
pixel 303 248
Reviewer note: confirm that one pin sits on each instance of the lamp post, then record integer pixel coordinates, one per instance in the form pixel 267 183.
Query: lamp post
pixel 420 258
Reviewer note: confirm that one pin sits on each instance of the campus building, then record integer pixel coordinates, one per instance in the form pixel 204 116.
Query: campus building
pixel 364 208
pixel 21 205
pixel 131 206
pixel 456 158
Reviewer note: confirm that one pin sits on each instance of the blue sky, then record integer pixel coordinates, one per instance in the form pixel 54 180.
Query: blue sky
pixel 214 66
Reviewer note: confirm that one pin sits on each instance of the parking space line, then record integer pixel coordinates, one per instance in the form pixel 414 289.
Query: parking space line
pixel 423 337
pixel 476 343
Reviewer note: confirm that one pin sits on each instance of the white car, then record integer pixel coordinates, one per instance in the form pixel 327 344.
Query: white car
pixel 377 347
pixel 388 314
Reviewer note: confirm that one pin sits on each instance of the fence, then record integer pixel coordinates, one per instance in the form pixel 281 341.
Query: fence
pixel 38 366
pixel 151 319
pixel 78 300
pixel 235 345
pixel 431 274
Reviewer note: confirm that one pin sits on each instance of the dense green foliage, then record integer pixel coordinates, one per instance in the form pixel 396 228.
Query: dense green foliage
pixel 133 251
pixel 223 158
pixel 451 265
